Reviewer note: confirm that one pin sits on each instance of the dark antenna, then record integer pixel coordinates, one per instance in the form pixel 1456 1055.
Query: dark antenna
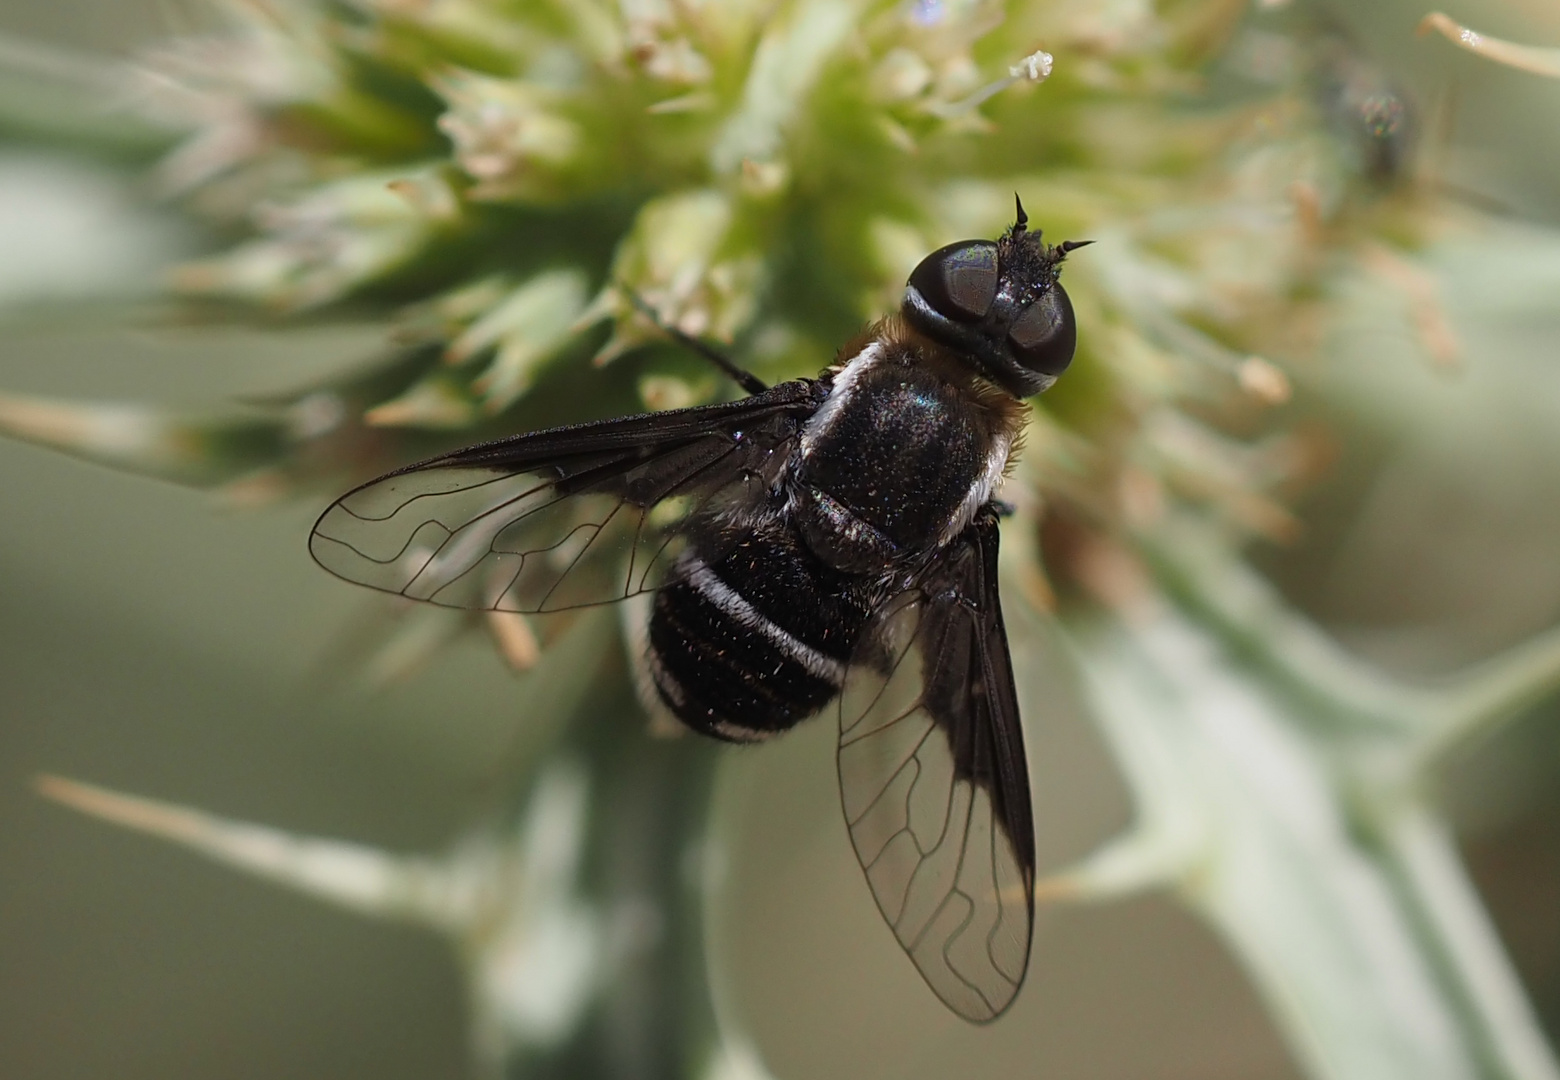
pixel 1023 219
pixel 1073 245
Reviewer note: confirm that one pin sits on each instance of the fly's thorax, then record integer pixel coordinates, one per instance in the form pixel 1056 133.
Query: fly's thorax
pixel 905 449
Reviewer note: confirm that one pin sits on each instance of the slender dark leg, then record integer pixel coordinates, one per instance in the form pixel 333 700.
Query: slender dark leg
pixel 748 381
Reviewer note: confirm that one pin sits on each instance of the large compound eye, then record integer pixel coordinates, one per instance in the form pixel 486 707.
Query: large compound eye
pixel 959 281
pixel 1044 336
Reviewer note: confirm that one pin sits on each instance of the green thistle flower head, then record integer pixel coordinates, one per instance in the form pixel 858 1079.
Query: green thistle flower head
pixel 506 183
pixel 509 186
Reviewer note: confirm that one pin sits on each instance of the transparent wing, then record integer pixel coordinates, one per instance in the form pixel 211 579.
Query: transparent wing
pixel 934 783
pixel 561 518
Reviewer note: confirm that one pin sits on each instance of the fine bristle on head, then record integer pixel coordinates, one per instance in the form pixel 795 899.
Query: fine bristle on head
pixel 1026 259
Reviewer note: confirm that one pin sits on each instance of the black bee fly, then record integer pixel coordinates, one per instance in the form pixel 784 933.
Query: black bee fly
pixel 825 539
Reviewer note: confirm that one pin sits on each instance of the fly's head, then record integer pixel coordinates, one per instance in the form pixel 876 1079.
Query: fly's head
pixel 999 306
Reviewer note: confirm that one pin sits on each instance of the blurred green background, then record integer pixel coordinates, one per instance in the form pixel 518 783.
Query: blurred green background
pixel 153 645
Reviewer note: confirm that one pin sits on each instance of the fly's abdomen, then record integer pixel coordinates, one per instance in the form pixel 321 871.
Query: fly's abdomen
pixel 751 642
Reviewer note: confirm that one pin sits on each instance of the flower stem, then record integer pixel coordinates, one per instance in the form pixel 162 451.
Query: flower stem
pixel 1472 962
pixel 1491 693
pixel 1252 619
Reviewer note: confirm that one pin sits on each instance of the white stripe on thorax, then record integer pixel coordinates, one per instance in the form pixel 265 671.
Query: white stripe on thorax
pixel 984 487
pixel 729 601
pixel 840 391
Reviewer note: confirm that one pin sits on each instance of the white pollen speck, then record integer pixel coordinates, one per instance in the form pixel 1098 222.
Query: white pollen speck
pixel 1036 67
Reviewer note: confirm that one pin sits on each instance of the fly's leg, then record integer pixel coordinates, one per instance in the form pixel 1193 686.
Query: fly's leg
pixel 745 379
